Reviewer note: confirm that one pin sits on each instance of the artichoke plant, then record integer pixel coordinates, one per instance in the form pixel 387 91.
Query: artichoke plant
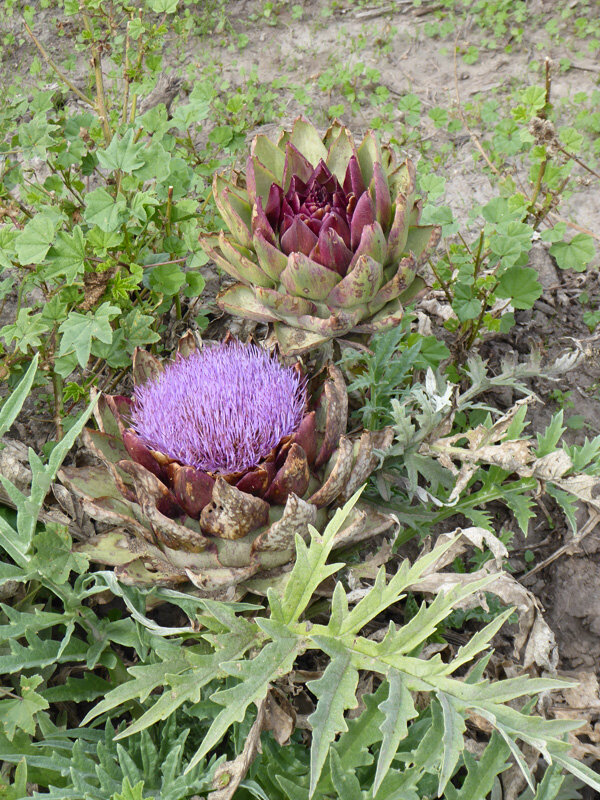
pixel 324 237
pixel 221 457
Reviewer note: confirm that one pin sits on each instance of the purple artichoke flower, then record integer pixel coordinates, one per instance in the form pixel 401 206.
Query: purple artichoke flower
pixel 315 218
pixel 215 465
pixel 324 236
pixel 222 409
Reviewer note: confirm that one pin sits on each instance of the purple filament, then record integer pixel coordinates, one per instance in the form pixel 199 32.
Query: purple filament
pixel 221 409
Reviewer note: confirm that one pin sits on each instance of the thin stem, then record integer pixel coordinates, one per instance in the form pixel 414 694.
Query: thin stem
pixel 478 258
pixel 169 210
pixel 442 282
pixel 126 77
pixel 55 67
pixel 577 160
pixel 575 226
pixel 116 381
pixel 462 238
pixel 100 104
pixel 475 328
pixel 538 184
pixel 138 66
pixel 57 386
pixel 548 86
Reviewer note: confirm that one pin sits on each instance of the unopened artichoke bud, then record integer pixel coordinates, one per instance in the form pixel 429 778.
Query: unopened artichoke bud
pixel 216 463
pixel 323 236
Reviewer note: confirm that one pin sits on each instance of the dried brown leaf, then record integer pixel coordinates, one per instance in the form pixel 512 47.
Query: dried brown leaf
pixel 280 717
pixel 535 643
pixel 230 774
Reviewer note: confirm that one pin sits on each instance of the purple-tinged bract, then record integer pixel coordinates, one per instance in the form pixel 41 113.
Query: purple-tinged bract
pixel 324 237
pixel 221 409
pixel 272 454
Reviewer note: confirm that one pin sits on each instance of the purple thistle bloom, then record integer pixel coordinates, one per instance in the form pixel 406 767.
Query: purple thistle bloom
pixel 221 409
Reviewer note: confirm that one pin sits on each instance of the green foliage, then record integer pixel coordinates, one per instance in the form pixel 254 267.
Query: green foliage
pixel 387 371
pixel 90 765
pixel 431 742
pixel 104 238
pixel 432 419
pixel 50 635
pixel 102 197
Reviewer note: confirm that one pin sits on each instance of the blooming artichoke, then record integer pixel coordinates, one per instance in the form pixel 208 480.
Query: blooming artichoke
pixel 215 464
pixel 324 238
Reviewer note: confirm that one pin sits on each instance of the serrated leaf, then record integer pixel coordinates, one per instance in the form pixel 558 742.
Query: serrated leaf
pixel 103 241
pixel 585 454
pixel 21 622
pixel 482 772
pixel 78 330
pixel 142 204
pixel 103 210
pixel 78 690
pixel 336 692
pixel 20 712
pixel 344 781
pixel 54 557
pixel 181 688
pixel 385 593
pixel 166 279
pixel 255 676
pixel 464 304
pixel 122 153
pixel 520 285
pixel 137 330
pixel 429 751
pixel 398 709
pixel 163 6
pixel 66 258
pixel 146 678
pixel 522 507
pixel 310 568
pixel 129 792
pixel 547 441
pixel 27 331
pixel 453 740
pixel 7 249
pixel 40 653
pixel 363 731
pixel 479 641
pixel 575 254
pixel 35 239
pixel 425 622
pixel 567 502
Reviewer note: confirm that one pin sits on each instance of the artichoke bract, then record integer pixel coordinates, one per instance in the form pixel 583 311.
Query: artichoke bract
pixel 221 457
pixel 324 236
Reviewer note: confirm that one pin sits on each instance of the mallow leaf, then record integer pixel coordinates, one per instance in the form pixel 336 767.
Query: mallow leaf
pixel 520 285
pixel 78 330
pixel 575 254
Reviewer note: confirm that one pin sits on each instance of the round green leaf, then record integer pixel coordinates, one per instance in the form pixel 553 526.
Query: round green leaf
pixel 575 254
pixel 521 286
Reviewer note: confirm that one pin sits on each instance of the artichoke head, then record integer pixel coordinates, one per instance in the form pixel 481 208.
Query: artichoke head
pixel 323 236
pixel 172 523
